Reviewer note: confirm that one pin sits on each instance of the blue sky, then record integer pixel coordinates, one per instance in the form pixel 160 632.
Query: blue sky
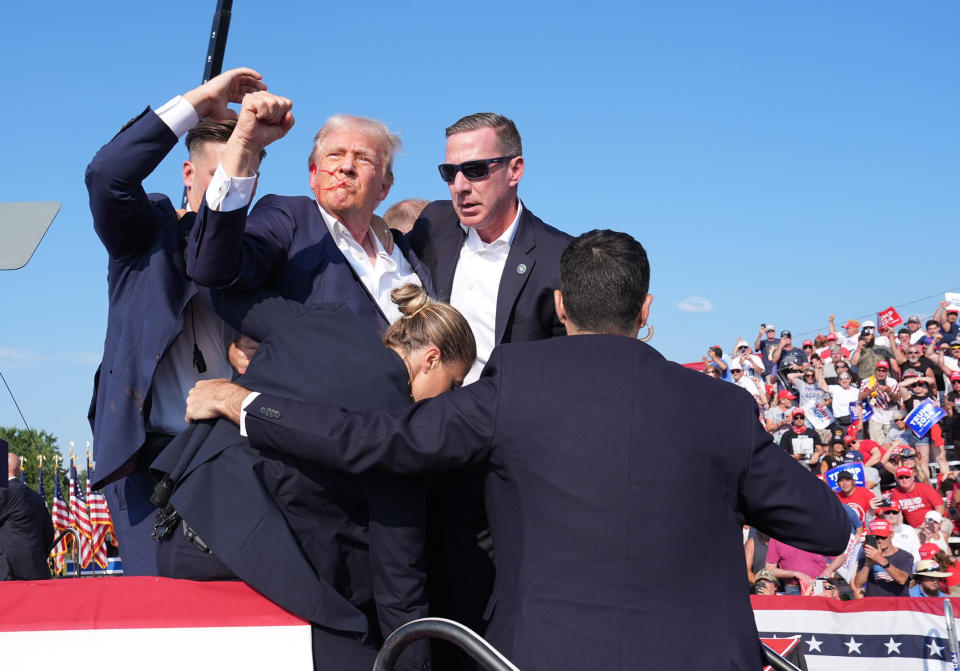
pixel 778 161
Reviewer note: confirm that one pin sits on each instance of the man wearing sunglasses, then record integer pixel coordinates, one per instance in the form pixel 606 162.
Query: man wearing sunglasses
pixel 487 253
pixel 915 498
pixel 324 249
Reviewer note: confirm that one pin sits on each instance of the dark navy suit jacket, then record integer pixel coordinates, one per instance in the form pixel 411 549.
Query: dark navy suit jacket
pixel 26 533
pixel 525 299
pixel 284 245
pixel 147 284
pixel 617 486
pixel 342 551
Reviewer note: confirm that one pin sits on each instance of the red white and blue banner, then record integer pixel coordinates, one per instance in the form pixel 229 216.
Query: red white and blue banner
pixel 147 624
pixel 875 634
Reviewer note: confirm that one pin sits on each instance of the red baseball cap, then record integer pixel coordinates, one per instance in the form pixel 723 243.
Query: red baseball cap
pixel 831 337
pixel 852 322
pixel 849 440
pixel 954 376
pixel 903 470
pixel 883 364
pixel 785 393
pixel 880 528
pixel 798 411
pixel 927 550
pixel 807 342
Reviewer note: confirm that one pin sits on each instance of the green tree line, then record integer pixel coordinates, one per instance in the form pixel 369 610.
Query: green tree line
pixel 30 443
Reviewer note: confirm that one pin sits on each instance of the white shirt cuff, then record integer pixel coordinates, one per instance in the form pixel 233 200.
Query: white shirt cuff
pixel 179 115
pixel 225 193
pixel 243 411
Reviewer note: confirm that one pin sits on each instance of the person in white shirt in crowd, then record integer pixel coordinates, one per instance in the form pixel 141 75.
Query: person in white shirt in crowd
pixel 778 417
pixel 741 380
pixel 851 332
pixel 948 364
pixel 842 395
pixel 914 325
pixel 932 531
pixel 751 363
pixel 884 394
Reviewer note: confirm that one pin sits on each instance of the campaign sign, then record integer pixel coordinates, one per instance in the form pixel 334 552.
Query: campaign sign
pixel 867 410
pixel 818 416
pixel 888 318
pixel 952 298
pixel 923 416
pixel 855 469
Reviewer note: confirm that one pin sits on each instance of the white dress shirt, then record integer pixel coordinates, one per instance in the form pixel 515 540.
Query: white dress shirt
pixel 476 283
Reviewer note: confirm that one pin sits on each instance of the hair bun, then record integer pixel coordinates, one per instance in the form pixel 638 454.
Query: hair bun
pixel 410 299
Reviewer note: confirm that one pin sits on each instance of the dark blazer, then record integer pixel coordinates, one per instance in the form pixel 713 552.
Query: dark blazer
pixel 146 282
pixel 26 534
pixel 616 517
pixel 284 245
pixel 525 298
pixel 329 547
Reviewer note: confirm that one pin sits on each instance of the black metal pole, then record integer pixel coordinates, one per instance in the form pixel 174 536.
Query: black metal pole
pixel 218 45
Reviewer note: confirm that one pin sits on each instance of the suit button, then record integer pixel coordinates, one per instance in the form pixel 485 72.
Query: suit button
pixel 264 411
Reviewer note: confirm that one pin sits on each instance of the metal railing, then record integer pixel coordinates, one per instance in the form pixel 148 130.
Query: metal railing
pixel 76 547
pixel 482 652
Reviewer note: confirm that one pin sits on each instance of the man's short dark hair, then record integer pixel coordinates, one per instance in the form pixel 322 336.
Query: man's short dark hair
pixel 508 137
pixel 604 278
pixel 932 322
pixel 209 130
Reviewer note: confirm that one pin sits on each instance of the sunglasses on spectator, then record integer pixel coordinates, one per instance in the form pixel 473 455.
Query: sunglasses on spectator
pixel 890 512
pixel 904 477
pixel 472 170
pixel 913 352
pixel 844 377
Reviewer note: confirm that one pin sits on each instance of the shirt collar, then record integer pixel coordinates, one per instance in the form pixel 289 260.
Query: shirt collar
pixel 474 243
pixel 341 234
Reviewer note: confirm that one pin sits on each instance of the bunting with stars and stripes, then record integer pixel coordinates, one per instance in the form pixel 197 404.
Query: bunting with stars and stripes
pixel 879 633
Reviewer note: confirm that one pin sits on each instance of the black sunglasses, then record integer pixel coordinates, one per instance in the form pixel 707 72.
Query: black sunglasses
pixel 471 169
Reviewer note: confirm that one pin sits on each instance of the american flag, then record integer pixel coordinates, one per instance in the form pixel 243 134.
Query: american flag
pixel 100 520
pixel 79 517
pixel 61 522
pixel 871 634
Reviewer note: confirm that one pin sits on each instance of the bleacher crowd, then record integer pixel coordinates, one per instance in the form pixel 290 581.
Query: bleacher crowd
pixel 843 404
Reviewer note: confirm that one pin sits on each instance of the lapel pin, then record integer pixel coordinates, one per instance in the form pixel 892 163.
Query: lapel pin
pixel 521 269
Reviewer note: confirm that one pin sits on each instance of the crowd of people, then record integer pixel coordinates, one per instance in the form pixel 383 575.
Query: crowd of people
pixel 839 403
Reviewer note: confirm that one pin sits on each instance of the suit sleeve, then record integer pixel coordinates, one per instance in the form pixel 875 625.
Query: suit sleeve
pixel 238 250
pixel 441 433
pixel 781 498
pixel 123 216
pixel 256 313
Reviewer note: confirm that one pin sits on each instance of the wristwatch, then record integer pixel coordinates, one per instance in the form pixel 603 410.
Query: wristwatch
pixel 887 565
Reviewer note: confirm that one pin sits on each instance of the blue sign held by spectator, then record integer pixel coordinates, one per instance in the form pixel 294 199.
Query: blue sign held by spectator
pixel 855 469
pixel 923 416
pixel 867 410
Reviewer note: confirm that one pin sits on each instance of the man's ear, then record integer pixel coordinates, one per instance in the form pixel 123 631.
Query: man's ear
pixel 187 173
pixel 558 306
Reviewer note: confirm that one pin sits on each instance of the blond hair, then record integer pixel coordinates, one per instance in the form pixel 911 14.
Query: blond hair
pixel 428 322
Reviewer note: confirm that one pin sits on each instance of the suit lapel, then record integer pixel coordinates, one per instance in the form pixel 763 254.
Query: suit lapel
pixel 516 270
pixel 453 237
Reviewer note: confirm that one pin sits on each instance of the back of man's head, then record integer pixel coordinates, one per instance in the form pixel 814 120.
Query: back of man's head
pixel 508 137
pixel 604 278
pixel 209 130
pixel 401 216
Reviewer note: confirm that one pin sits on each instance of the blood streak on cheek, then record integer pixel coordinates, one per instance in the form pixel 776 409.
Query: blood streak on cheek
pixel 335 186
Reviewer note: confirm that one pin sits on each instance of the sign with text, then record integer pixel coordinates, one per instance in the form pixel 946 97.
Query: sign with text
pixel 953 299
pixel 923 416
pixel 818 416
pixel 855 469
pixel 887 319
pixel 864 406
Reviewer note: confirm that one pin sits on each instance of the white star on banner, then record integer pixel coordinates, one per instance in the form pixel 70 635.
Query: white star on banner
pixel 934 648
pixel 892 647
pixel 852 646
pixel 814 644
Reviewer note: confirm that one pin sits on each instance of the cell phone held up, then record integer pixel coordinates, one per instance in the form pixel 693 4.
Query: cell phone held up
pixel 871 540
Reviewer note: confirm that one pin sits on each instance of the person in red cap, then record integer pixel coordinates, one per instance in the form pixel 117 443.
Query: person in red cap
pixel 856 498
pixel 947 316
pixel 904 536
pixel 884 395
pixel 778 417
pixel 915 498
pixel 883 568
pixel 851 330
pixel 802 442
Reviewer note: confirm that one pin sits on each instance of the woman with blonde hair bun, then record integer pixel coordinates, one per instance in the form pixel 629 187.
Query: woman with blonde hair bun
pixel 434 341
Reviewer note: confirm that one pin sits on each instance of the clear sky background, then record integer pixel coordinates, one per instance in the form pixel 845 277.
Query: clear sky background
pixel 779 161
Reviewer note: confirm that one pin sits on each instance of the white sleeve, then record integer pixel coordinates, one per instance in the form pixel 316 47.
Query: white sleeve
pixel 225 193
pixel 243 411
pixel 179 115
